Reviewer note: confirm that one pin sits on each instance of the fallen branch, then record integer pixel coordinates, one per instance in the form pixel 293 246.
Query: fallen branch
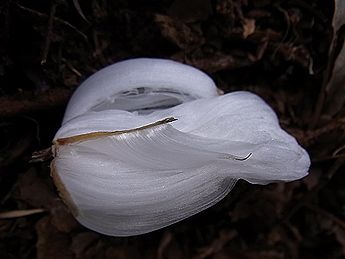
pixel 19 213
pixel 28 102
pixel 56 19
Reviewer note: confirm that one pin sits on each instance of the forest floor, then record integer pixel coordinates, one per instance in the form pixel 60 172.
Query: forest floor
pixel 284 51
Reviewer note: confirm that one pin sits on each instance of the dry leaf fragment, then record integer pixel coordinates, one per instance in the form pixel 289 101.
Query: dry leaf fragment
pixel 19 213
pixel 190 11
pixel 178 33
pixel 78 8
pixel 335 89
pixel 248 27
pixel 339 14
pixel 51 243
pixel 336 85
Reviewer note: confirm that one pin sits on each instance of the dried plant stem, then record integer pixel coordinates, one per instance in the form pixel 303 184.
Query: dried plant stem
pixel 56 19
pixel 19 213
pixel 49 34
pixel 27 102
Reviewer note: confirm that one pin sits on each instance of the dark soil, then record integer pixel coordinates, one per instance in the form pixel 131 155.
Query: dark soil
pixel 277 49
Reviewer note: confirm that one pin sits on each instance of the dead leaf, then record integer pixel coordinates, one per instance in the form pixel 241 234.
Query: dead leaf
pixel 5 228
pixel 313 179
pixel 179 33
pixel 18 136
pixel 245 254
pixel 170 249
pixel 340 237
pixel 81 244
pixel 217 245
pixel 212 62
pixel 34 190
pixel 62 219
pixel 248 27
pixel 166 240
pixel 77 6
pixel 339 14
pixel 51 243
pixel 190 11
pixel 123 252
pixel 226 9
pixel 39 192
pixel 336 85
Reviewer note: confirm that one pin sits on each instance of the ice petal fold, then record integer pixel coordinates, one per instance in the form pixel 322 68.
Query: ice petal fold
pixel 136 182
pixel 116 83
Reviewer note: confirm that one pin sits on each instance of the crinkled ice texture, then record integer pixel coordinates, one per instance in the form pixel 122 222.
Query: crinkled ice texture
pixel 141 180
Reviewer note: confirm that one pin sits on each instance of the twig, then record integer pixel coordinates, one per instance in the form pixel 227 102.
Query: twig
pixel 322 97
pixel 310 136
pixel 27 102
pixel 217 245
pixel 165 241
pixel 71 67
pixel 98 52
pixel 336 124
pixel 288 24
pixel 41 155
pixel 326 158
pixel 325 80
pixel 308 8
pixel 56 19
pixel 49 33
pixel 19 213
pixel 78 8
pixel 332 217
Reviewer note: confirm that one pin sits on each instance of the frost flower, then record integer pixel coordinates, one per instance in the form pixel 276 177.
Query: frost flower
pixel 148 142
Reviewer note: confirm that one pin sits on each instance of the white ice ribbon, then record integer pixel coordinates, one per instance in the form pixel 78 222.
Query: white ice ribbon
pixel 148 142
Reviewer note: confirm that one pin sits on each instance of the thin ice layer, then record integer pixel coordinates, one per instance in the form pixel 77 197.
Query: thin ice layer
pixel 103 86
pixel 238 116
pixel 116 197
pixel 137 182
